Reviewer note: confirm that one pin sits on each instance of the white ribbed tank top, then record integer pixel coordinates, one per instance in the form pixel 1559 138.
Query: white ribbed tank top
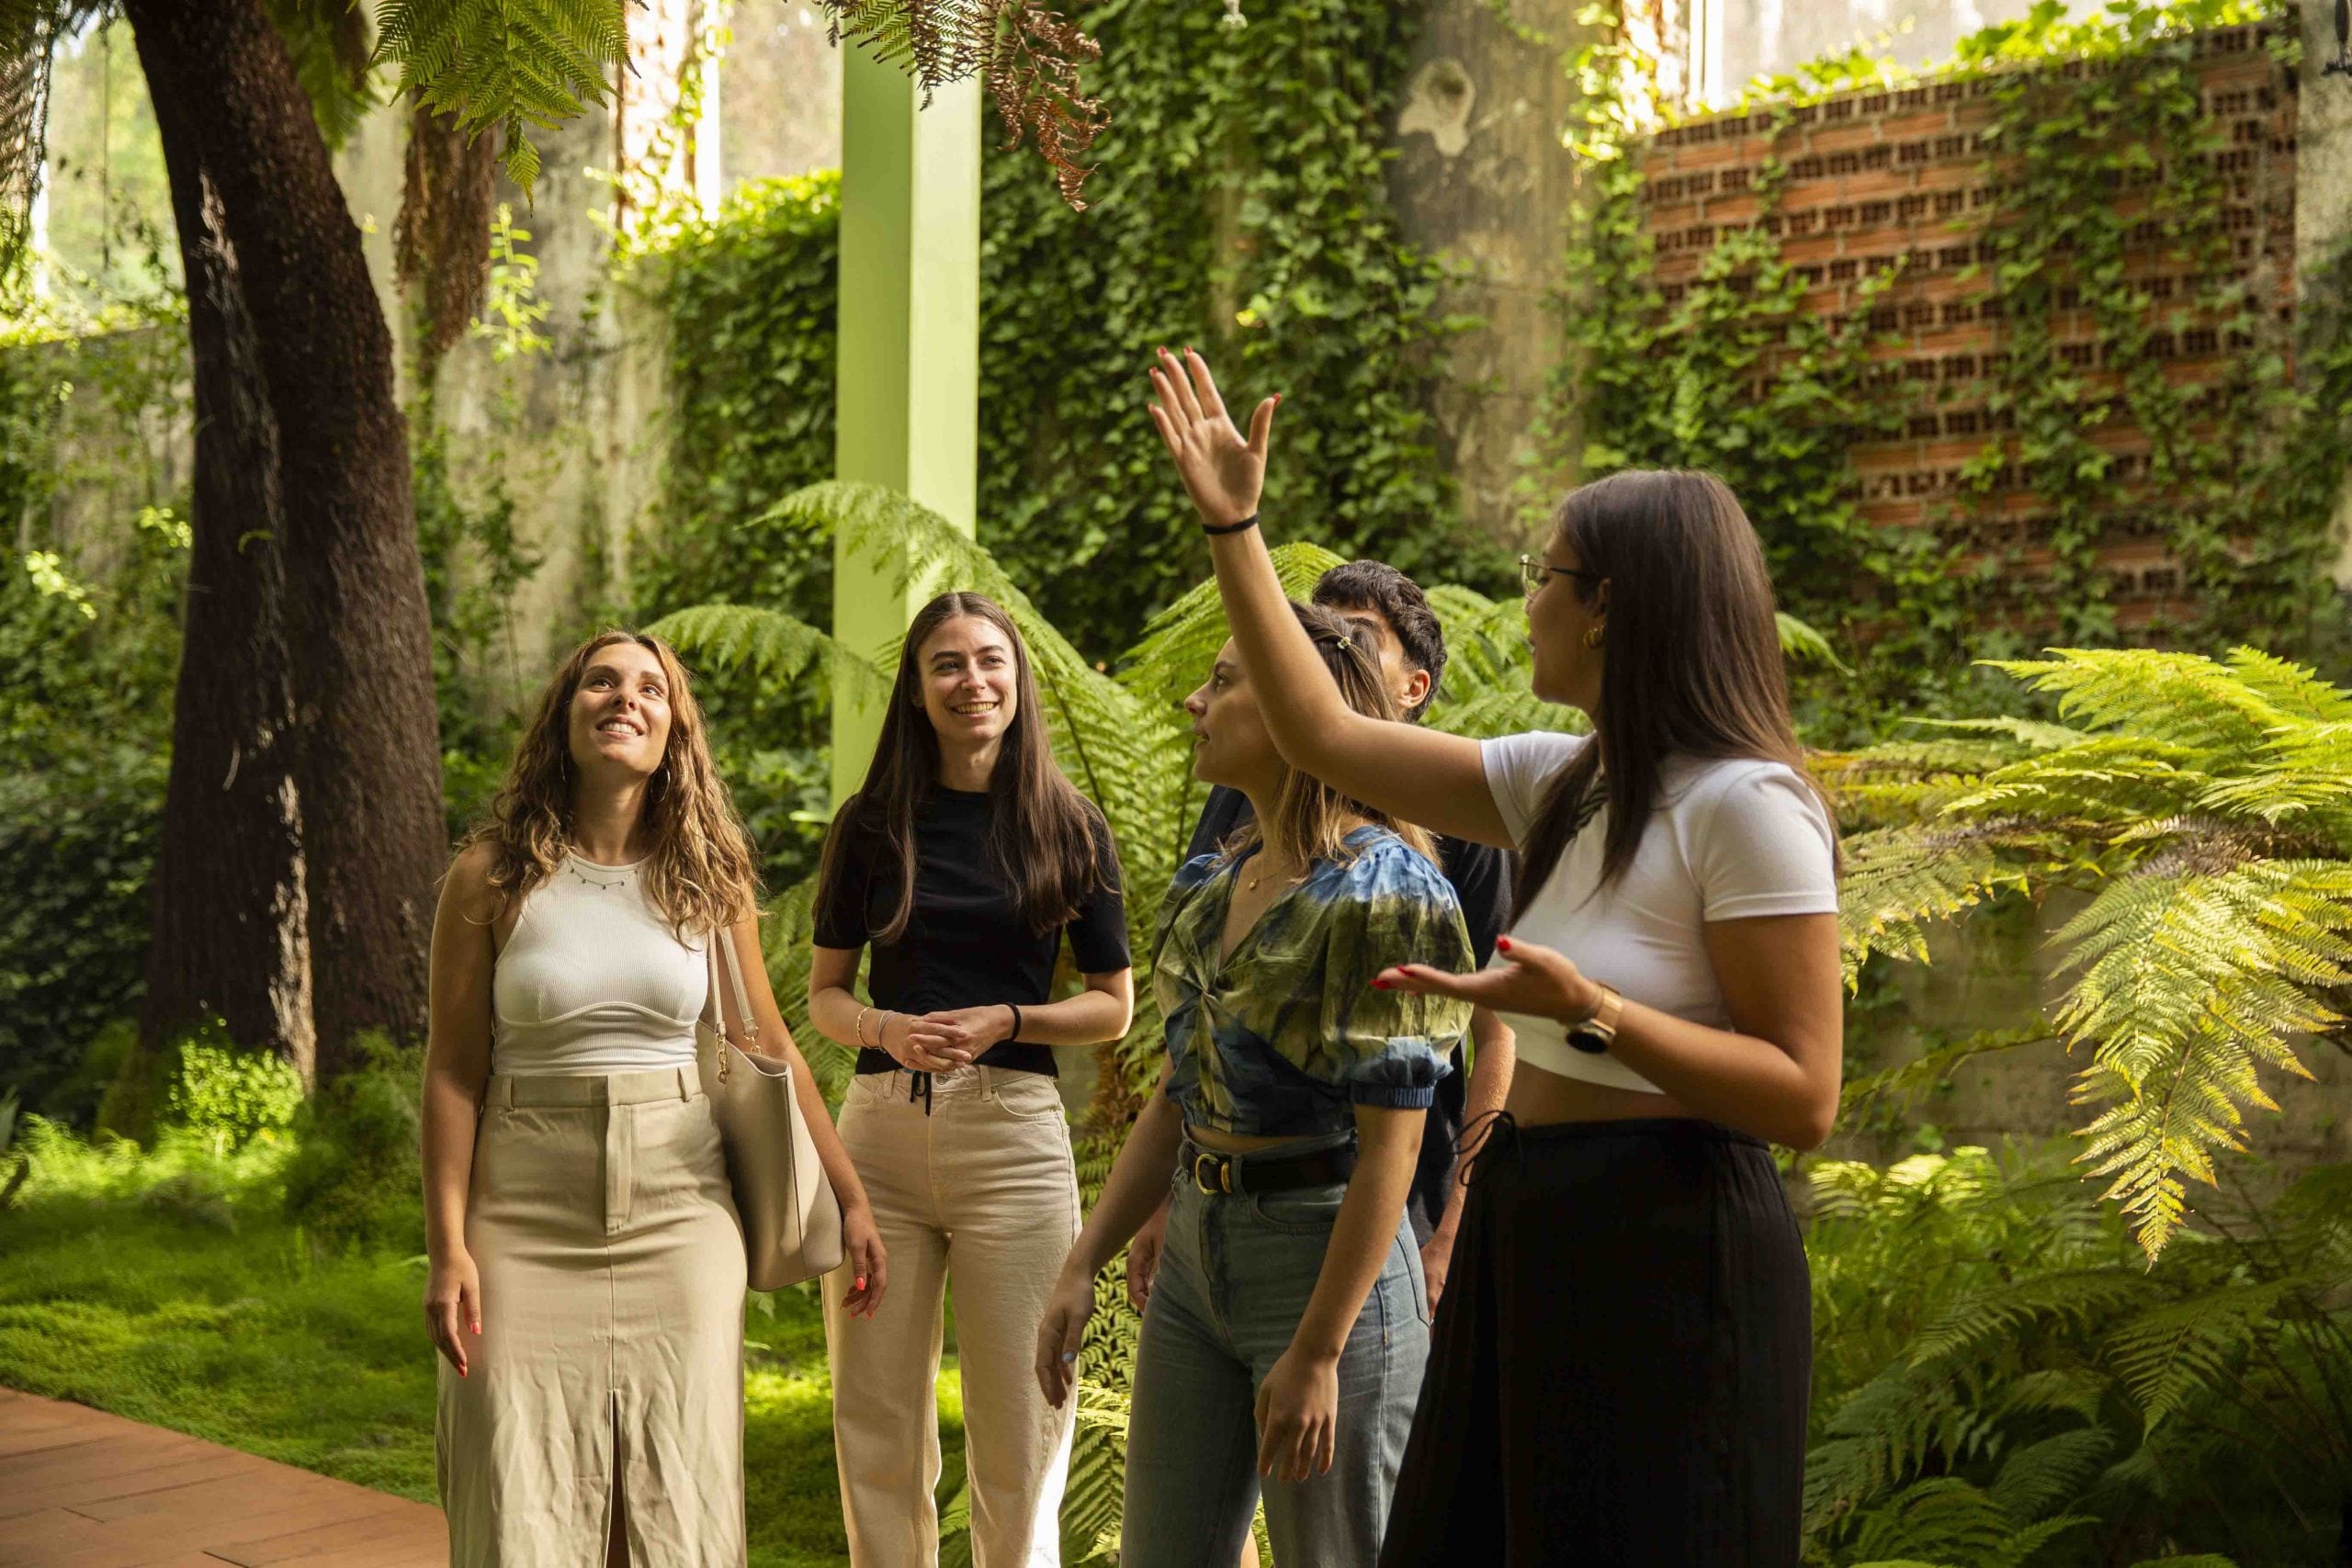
pixel 593 980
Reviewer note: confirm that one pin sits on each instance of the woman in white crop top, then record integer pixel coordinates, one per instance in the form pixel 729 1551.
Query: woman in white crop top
pixel 586 1284
pixel 1621 1362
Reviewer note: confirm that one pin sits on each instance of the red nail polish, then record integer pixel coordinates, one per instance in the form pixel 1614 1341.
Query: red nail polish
pixel 1503 942
pixel 1379 985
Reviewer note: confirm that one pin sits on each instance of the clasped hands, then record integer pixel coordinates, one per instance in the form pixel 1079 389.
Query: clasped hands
pixel 942 1042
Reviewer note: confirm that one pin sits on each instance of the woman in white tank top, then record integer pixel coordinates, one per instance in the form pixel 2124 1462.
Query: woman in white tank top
pixel 1622 1359
pixel 586 1286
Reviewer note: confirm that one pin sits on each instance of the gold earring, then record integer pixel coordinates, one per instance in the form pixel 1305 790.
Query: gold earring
pixel 1594 635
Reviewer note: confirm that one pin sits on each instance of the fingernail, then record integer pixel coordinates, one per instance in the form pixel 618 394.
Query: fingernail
pixel 1379 985
pixel 1068 1356
pixel 860 1281
pixel 1503 942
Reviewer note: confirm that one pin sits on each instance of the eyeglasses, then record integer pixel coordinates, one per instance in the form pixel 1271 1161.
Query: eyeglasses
pixel 1532 570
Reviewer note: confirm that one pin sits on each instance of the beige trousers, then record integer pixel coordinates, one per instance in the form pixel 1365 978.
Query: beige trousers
pixel 973 1189
pixel 611 1355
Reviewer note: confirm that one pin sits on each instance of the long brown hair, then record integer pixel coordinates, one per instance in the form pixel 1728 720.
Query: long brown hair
pixel 699 872
pixel 1692 662
pixel 1043 835
pixel 1314 818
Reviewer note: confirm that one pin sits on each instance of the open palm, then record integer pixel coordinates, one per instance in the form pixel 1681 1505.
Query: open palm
pixel 1531 979
pixel 1223 473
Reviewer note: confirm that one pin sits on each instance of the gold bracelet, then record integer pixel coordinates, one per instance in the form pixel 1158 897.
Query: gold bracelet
pixel 858 1029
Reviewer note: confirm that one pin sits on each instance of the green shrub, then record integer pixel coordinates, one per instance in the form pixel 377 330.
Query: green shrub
pixel 77 846
pixel 229 1094
pixel 355 1177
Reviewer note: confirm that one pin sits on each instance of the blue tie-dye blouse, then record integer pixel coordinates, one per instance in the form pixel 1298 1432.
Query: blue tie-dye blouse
pixel 1287 1035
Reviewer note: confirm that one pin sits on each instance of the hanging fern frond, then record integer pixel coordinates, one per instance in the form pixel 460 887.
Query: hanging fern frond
pixel 769 642
pixel 514 65
pixel 1898 880
pixel 328 39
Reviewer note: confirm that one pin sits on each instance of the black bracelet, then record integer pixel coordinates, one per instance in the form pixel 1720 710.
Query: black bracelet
pixel 1248 521
pixel 1015 1036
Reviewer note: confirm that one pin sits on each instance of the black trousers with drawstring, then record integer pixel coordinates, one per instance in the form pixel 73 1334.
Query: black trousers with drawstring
pixel 1621 1362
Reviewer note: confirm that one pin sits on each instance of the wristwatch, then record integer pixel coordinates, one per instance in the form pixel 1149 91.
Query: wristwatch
pixel 1595 1035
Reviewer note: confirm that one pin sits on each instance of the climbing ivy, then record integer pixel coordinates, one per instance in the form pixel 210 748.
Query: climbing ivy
pixel 2101 160
pixel 1239 207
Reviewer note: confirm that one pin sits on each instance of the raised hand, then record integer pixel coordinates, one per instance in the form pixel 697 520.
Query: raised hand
pixel 1222 472
pixel 1531 979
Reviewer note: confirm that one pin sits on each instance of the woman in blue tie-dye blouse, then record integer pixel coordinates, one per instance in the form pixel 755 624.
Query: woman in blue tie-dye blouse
pixel 1288 1324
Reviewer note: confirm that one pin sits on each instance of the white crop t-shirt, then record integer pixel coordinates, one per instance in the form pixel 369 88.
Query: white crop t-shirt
pixel 1727 841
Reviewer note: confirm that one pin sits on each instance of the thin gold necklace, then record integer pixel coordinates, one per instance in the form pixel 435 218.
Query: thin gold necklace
pixel 1251 885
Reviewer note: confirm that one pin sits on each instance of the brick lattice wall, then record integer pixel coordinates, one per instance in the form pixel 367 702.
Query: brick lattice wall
pixel 1889 177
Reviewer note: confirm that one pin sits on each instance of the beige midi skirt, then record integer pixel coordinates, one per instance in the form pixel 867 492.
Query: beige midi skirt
pixel 610 1362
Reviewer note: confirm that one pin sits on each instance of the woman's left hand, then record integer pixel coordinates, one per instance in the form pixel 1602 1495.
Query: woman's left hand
pixel 965 1030
pixel 1222 470
pixel 868 1264
pixel 1532 981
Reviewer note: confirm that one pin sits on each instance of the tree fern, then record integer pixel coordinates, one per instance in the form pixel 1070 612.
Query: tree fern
pixel 2206 808
pixel 515 63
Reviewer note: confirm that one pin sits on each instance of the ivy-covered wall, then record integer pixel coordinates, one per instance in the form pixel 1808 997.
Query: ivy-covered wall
pixel 1999 358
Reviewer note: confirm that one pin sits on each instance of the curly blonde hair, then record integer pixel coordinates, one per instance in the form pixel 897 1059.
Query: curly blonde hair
pixel 700 872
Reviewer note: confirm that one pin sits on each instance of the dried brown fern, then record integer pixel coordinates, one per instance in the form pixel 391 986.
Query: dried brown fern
pixel 441 239
pixel 1028 57
pixel 1033 78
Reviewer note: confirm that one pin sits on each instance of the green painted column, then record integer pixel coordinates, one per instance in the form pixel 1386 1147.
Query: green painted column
pixel 907 391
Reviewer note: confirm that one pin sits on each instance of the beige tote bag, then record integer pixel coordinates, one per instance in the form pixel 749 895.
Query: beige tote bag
pixel 792 1221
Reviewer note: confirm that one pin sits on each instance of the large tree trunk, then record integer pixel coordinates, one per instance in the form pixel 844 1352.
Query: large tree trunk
pixel 230 928
pixel 368 763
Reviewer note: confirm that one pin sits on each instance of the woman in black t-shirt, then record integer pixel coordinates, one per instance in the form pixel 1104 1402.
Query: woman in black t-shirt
pixel 961 863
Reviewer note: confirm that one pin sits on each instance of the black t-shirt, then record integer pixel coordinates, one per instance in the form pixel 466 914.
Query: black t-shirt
pixel 964 946
pixel 1481 878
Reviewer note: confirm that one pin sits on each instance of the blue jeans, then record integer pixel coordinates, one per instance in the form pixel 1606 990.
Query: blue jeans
pixel 1233 1282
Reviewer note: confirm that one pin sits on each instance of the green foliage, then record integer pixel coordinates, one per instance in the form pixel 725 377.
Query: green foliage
pixel 77 845
pixel 228 1095
pixel 356 1175
pixel 1238 205
pixel 2000 1378
pixel 512 65
pixel 2206 808
pixel 1737 376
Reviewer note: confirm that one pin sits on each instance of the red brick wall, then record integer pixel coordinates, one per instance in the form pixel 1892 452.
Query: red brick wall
pixel 1883 177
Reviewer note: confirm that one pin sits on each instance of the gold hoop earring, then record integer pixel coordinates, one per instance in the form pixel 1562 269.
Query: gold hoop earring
pixel 1594 635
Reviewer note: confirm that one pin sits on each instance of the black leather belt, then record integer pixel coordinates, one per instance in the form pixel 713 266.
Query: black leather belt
pixel 1220 1174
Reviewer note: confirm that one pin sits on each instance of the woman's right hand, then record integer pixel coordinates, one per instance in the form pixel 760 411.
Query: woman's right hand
pixel 1143 1257
pixel 915 1049
pixel 452 1304
pixel 1222 472
pixel 1059 1332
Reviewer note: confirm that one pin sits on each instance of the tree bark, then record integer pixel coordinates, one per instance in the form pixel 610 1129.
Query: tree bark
pixel 229 933
pixel 366 767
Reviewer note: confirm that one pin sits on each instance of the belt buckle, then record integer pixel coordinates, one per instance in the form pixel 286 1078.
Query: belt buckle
pixel 1224 1167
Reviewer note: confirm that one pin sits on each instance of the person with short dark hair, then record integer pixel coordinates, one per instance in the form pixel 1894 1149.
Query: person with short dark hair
pixel 1412 664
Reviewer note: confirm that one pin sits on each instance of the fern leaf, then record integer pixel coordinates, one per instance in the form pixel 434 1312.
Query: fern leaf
pixel 2174 1354
pixel 747 636
pixel 2039 1478
pixel 515 63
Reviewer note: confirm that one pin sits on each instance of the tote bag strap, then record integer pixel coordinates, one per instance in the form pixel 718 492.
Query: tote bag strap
pixel 719 949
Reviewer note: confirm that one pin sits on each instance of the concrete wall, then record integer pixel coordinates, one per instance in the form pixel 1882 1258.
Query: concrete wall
pixel 1992 972
pixel 1482 181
